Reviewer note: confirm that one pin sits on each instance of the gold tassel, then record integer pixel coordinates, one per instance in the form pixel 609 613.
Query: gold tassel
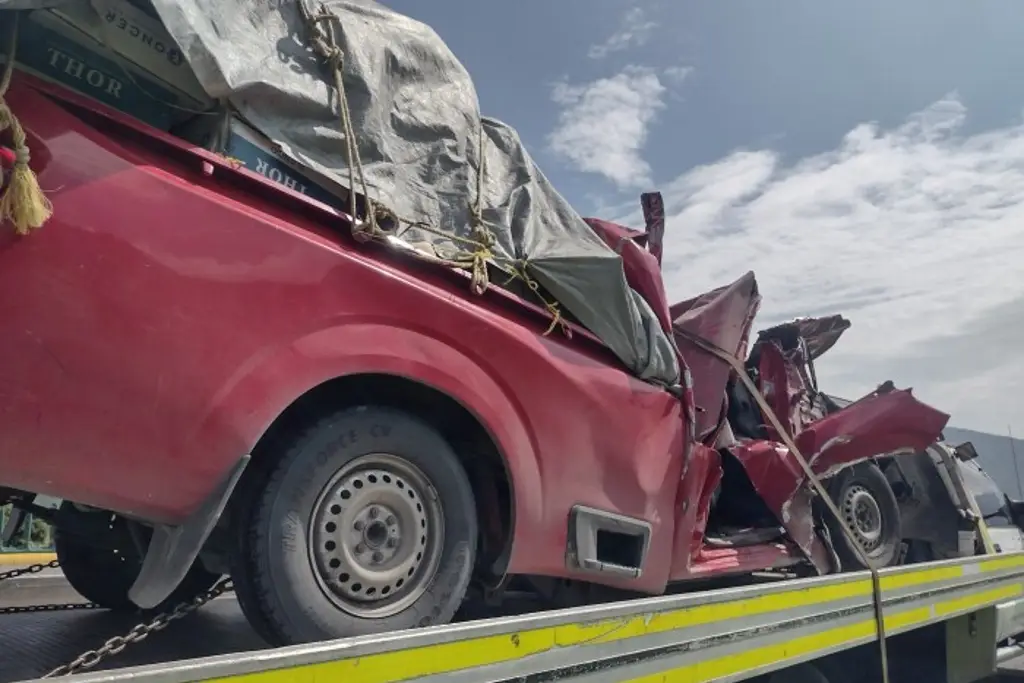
pixel 23 203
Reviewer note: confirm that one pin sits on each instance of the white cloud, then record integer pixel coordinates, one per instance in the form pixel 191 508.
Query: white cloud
pixel 635 30
pixel 915 233
pixel 677 74
pixel 603 124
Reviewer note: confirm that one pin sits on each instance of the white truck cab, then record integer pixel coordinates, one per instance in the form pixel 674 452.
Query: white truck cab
pixel 1006 537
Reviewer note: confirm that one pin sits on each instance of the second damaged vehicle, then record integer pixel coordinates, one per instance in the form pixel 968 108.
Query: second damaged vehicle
pixel 220 375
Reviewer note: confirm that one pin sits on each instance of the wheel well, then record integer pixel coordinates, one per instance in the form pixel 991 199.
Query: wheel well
pixel 477 451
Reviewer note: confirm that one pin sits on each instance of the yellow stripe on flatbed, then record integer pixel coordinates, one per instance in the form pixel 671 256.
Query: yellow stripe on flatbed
pixel 807 646
pixel 449 657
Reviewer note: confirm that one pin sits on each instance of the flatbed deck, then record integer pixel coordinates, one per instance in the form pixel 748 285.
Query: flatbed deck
pixel 32 642
pixel 729 634
pixel 35 643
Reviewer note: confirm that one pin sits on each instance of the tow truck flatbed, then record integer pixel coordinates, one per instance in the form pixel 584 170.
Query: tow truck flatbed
pixel 730 634
pixel 34 643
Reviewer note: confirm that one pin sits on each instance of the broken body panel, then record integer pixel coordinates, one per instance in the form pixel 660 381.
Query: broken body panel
pixel 175 306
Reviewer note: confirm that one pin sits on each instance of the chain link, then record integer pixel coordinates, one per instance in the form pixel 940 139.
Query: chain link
pixel 31 569
pixel 115 645
pixel 55 607
pixel 25 609
pixel 140 632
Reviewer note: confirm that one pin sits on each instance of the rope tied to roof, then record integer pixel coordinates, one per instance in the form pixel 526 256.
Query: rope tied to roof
pixel 474 252
pixel 23 202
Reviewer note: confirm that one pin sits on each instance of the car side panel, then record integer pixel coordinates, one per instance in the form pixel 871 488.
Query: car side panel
pixel 164 316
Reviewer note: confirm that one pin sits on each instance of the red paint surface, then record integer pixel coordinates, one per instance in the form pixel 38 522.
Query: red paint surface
pixel 643 271
pixel 743 560
pixel 163 318
pixel 175 306
pixel 785 390
pixel 703 473
pixel 874 425
pixel 722 316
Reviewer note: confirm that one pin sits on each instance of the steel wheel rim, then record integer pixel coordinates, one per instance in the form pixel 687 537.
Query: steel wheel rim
pixel 376 535
pixel 864 517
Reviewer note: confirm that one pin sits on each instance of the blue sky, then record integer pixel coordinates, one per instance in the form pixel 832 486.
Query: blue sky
pixel 864 158
pixel 793 76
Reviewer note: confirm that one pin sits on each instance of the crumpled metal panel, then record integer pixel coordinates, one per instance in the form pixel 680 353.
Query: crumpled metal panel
pixel 819 334
pixel 722 316
pixel 693 506
pixel 878 423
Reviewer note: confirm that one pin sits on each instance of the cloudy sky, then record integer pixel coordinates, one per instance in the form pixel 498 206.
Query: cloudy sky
pixel 864 158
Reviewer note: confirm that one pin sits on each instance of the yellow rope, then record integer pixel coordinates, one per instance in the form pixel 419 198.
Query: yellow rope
pixel 235 162
pixel 23 202
pixel 478 249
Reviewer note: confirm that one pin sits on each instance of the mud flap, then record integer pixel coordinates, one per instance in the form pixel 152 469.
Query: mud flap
pixel 173 549
pixel 881 423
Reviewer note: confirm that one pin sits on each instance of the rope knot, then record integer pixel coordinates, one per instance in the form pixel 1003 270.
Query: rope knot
pixel 22 201
pixel 335 58
pixel 484 236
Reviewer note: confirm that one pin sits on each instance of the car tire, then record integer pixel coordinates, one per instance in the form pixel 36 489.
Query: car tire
pixel 868 506
pixel 364 523
pixel 103 576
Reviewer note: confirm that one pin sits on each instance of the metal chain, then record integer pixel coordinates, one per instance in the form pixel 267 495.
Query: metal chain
pixel 54 607
pixel 117 644
pixel 31 569
pixel 57 607
pixel 140 632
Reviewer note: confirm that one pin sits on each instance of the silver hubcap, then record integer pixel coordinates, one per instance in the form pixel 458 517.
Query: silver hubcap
pixel 376 535
pixel 862 514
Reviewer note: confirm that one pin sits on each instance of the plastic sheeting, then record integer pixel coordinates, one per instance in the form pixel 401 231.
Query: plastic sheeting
pixel 417 124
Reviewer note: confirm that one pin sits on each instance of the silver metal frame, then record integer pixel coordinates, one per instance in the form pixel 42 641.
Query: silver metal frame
pixel 723 635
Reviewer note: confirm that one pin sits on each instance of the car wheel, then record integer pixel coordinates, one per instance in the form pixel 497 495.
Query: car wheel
pixel 365 524
pixel 102 573
pixel 868 506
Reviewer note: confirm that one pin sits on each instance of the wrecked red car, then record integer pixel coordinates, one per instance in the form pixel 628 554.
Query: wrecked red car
pixel 218 379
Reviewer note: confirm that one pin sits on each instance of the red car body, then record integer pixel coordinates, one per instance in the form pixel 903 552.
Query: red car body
pixel 175 306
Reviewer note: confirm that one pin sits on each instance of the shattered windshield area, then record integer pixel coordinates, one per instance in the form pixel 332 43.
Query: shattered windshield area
pixel 991 500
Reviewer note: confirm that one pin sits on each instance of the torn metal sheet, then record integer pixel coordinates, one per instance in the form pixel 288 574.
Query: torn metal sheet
pixel 786 382
pixel 722 316
pixel 880 423
pixel 643 272
pixel 654 220
pixel 819 334
pixel 693 504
